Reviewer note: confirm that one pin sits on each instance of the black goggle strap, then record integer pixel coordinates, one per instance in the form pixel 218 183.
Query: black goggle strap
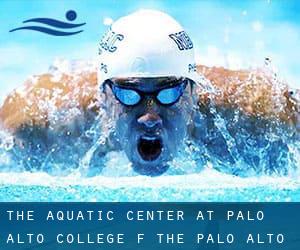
pixel 103 88
pixel 103 85
pixel 192 83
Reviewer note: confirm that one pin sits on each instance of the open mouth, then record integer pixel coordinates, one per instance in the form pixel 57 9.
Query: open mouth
pixel 149 148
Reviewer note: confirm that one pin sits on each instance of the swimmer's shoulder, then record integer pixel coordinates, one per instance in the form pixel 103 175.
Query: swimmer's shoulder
pixel 253 92
pixel 46 100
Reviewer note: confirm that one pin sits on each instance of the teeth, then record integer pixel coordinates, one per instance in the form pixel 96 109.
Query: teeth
pixel 148 138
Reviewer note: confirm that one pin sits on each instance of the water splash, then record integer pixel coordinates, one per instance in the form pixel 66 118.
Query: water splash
pixel 81 168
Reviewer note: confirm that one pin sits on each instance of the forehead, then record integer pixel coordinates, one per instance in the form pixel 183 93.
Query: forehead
pixel 147 83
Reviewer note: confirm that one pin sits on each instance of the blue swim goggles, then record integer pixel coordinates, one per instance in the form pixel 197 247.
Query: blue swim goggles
pixel 130 96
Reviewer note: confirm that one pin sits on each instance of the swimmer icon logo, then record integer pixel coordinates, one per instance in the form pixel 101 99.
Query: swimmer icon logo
pixel 71 15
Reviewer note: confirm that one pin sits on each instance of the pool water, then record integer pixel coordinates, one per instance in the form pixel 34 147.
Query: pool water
pixel 258 163
pixel 209 185
pixel 184 181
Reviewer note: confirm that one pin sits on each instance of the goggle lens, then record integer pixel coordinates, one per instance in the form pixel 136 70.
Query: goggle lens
pixel 128 97
pixel 170 95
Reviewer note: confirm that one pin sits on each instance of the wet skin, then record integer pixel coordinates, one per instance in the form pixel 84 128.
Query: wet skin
pixel 149 132
pixel 158 131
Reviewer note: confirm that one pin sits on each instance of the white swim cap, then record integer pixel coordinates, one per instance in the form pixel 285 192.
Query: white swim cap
pixel 146 43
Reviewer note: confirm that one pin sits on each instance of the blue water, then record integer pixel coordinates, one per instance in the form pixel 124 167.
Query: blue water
pixel 208 185
pixel 234 158
pixel 111 178
pixel 117 182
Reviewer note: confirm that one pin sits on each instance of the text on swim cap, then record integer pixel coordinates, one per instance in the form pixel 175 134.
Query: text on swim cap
pixel 192 67
pixel 108 41
pixel 103 67
pixel 182 40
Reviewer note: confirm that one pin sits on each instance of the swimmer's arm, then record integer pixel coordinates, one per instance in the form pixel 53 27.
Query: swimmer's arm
pixel 264 110
pixel 35 103
pixel 252 92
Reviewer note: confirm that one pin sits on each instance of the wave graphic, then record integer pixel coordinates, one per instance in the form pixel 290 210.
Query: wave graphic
pixel 54 23
pixel 47 31
pixel 70 16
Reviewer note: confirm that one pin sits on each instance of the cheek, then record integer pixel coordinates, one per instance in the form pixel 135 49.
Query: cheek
pixel 177 117
pixel 125 123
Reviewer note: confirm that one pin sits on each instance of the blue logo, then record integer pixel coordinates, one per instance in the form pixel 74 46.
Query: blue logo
pixel 70 16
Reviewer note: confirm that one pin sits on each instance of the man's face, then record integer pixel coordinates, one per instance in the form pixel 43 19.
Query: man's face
pixel 152 117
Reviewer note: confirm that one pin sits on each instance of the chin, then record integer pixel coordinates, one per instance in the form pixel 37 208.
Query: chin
pixel 150 169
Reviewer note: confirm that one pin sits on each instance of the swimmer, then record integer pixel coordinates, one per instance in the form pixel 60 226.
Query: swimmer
pixel 148 83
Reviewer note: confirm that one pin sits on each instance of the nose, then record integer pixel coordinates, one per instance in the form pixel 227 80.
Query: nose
pixel 150 120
